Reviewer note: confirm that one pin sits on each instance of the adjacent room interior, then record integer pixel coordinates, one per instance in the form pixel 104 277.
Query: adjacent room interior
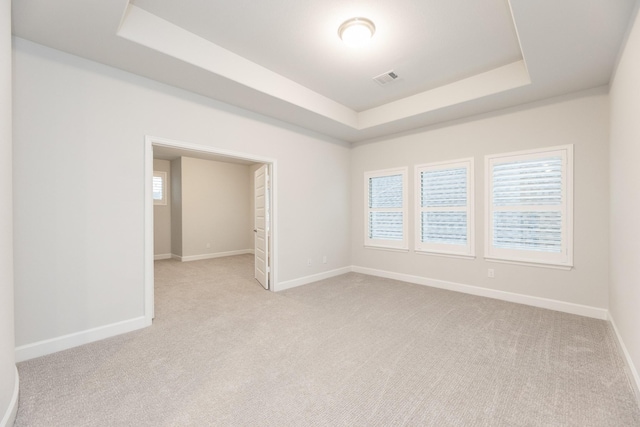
pixel 452 237
pixel 207 205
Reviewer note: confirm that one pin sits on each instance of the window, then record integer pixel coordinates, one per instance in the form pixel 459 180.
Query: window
pixel 444 204
pixel 386 209
pixel 529 203
pixel 159 188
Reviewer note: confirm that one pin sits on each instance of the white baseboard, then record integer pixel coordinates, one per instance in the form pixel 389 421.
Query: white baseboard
pixel 631 368
pixel 161 256
pixel 566 307
pixel 41 348
pixel 210 256
pixel 10 415
pixel 310 279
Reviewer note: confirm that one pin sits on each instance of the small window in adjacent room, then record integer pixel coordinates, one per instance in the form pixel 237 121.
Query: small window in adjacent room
pixel 386 209
pixel 159 188
pixel 444 208
pixel 529 200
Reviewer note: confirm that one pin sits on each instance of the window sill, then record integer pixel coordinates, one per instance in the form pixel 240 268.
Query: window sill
pixel 385 248
pixel 444 254
pixel 531 264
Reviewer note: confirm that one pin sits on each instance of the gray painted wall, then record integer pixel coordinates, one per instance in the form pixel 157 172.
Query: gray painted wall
pixel 582 120
pixel 7 359
pixel 82 266
pixel 624 290
pixel 215 207
pixel 176 206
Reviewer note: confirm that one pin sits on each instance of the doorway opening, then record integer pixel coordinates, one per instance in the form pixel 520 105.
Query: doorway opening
pixel 263 206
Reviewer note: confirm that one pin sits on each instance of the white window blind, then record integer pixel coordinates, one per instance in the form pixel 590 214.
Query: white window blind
pixel 537 183
pixel 530 206
pixel 445 207
pixel 159 190
pixel 385 213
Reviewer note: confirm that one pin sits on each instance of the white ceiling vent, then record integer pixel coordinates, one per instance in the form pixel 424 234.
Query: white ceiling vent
pixel 386 78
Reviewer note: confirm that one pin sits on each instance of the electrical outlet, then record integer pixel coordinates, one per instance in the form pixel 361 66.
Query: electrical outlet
pixel 208 245
pixel 491 273
pixel 309 262
pixel 324 259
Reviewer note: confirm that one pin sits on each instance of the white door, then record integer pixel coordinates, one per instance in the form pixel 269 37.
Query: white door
pixel 261 226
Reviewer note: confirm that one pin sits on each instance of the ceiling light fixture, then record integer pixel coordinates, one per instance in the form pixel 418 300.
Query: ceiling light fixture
pixel 356 32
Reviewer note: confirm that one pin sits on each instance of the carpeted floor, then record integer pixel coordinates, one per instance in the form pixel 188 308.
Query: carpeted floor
pixel 354 350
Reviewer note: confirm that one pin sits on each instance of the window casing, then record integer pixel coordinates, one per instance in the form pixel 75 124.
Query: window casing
pixel 444 208
pixel 529 206
pixel 385 201
pixel 159 188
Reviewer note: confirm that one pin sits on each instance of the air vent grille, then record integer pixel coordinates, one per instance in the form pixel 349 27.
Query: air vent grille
pixel 386 78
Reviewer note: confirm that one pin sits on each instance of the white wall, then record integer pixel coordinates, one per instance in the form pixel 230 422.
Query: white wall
pixel 80 126
pixel 581 119
pixel 8 377
pixel 215 207
pixel 162 214
pixel 624 291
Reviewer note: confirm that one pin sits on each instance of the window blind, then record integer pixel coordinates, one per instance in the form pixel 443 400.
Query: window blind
pixel 386 219
pixel 518 187
pixel 445 187
pixel 158 188
pixel 385 191
pixel 532 182
pixel 444 227
pixel 442 190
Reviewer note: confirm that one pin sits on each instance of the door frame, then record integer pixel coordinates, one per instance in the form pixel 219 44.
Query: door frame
pixel 149 143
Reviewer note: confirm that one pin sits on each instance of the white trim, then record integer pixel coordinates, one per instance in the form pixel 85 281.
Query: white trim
pixel 41 348
pixel 172 143
pixel 210 256
pixel 382 248
pixel 162 256
pixel 12 410
pixel 149 143
pixel 631 369
pixel 273 240
pixel 530 264
pixel 550 304
pixel 312 278
pixel 446 255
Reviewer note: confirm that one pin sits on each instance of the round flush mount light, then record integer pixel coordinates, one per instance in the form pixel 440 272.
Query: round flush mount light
pixel 356 31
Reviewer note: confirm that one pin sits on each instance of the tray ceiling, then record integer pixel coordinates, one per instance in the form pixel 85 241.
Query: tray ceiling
pixel 283 58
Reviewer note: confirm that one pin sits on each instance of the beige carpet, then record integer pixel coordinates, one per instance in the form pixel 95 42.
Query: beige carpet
pixel 349 351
